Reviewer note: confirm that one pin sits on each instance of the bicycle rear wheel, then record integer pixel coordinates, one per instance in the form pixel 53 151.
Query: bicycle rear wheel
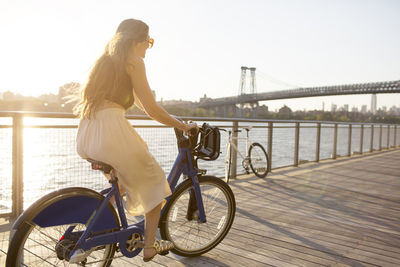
pixel 259 161
pixel 179 222
pixel 32 245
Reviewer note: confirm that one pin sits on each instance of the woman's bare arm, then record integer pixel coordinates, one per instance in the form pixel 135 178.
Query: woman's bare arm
pixel 137 72
pixel 137 101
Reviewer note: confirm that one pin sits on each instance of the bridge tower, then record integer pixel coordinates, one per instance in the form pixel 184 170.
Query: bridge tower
pixel 243 76
pixel 242 85
pixel 251 90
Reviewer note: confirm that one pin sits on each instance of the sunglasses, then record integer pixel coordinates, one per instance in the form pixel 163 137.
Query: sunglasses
pixel 151 42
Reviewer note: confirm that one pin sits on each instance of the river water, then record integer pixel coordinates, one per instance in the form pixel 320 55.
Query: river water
pixel 50 161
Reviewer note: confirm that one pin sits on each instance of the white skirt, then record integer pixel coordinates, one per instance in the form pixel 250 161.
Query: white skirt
pixel 110 138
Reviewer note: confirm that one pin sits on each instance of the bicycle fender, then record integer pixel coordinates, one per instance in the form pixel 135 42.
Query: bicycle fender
pixel 57 209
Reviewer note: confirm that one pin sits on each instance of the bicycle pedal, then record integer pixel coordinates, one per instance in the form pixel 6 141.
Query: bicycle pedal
pixel 164 253
pixel 79 256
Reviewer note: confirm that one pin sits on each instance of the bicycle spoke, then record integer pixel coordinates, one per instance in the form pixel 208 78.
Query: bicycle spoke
pixel 193 235
pixel 34 254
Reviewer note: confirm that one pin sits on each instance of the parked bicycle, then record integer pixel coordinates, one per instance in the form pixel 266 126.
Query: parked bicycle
pixel 80 226
pixel 255 159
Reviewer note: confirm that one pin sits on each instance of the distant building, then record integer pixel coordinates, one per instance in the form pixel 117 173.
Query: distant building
pixel 285 110
pixel 333 108
pixel 346 108
pixel 373 103
pixel 364 109
pixel 394 111
pixel 384 108
pixel 354 109
pixel 204 99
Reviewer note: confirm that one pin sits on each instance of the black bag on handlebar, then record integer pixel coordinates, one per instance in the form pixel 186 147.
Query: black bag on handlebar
pixel 208 147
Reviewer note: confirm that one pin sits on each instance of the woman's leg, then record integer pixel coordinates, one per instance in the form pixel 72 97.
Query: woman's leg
pixel 152 218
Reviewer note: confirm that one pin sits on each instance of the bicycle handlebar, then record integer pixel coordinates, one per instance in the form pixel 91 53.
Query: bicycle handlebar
pixel 235 131
pixel 193 131
pixel 186 141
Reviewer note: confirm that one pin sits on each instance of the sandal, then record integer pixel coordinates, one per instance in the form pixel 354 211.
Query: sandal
pixel 162 247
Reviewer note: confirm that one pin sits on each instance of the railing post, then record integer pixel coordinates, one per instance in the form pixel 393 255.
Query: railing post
pixel 388 137
pixel 235 142
pixel 395 136
pixel 17 166
pixel 270 128
pixel 349 141
pixel 296 144
pixel 361 138
pixel 371 147
pixel 380 137
pixel 318 144
pixel 335 132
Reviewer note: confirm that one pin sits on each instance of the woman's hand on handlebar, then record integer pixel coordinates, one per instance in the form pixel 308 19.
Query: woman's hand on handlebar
pixel 191 128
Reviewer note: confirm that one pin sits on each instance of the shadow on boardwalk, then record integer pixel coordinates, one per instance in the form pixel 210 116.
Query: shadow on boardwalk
pixel 344 212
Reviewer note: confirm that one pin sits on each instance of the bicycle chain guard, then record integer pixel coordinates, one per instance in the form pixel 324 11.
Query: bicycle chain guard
pixel 129 244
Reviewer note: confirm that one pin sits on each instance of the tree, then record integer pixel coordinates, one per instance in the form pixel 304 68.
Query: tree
pixel 69 92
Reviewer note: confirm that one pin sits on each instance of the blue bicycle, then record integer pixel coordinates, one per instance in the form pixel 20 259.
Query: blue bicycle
pixel 80 226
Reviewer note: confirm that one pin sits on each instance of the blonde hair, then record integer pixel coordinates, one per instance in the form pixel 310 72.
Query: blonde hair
pixel 109 71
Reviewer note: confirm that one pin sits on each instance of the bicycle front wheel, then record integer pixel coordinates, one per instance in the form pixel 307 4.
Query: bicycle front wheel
pixel 32 245
pixel 258 160
pixel 228 163
pixel 179 221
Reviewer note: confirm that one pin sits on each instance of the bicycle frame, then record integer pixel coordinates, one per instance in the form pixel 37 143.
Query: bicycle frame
pixel 183 165
pixel 232 144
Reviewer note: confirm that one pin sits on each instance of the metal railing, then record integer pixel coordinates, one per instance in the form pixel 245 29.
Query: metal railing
pixel 267 128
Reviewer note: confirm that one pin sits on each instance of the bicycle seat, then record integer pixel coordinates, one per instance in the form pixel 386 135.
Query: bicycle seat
pixel 248 128
pixel 98 165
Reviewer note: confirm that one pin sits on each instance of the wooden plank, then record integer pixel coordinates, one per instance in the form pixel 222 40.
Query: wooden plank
pixel 313 241
pixel 295 250
pixel 323 210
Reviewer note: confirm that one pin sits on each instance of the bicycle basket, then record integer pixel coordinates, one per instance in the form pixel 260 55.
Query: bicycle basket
pixel 208 147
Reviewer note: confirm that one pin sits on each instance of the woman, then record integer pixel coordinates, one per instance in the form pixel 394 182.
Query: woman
pixel 117 81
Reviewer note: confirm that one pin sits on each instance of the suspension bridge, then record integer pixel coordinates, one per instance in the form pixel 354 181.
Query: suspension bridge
pixel 251 98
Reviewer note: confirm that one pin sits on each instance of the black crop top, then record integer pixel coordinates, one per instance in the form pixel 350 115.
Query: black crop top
pixel 123 95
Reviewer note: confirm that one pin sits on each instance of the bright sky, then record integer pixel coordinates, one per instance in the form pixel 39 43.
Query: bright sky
pixel 201 45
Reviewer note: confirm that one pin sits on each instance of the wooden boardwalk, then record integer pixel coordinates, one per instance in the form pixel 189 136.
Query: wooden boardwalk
pixel 343 212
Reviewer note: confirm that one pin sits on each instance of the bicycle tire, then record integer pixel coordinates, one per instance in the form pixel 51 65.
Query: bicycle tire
pixel 228 164
pixel 190 237
pixel 32 245
pixel 261 156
